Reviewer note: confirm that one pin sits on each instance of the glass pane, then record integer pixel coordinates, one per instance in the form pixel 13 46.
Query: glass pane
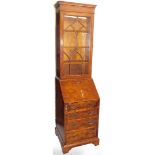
pixel 76 23
pixel 76 54
pixel 69 39
pixel 83 39
pixel 76 45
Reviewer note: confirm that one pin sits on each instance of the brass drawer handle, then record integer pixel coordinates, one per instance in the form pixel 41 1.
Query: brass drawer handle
pixel 91 104
pixel 74 124
pixel 91 122
pixel 91 113
pixel 74 115
pixel 73 107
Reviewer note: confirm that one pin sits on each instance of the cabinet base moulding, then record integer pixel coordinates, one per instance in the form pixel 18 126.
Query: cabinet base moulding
pixel 67 147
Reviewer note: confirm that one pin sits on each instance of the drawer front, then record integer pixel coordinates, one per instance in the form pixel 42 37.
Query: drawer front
pixel 81 123
pixel 80 105
pixel 82 114
pixel 77 135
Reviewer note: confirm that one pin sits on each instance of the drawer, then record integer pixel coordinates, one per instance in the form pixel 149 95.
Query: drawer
pixel 80 105
pixel 82 114
pixel 81 123
pixel 79 135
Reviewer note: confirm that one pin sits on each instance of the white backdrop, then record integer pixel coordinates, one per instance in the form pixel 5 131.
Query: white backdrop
pixel 123 70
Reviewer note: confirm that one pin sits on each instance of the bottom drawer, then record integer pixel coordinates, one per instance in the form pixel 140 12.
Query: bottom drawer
pixel 78 135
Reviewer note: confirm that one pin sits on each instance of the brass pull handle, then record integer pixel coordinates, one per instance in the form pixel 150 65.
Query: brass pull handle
pixel 91 104
pixel 73 115
pixel 91 113
pixel 74 125
pixel 91 122
pixel 73 107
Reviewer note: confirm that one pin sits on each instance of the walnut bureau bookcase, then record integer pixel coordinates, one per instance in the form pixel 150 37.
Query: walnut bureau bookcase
pixel 77 100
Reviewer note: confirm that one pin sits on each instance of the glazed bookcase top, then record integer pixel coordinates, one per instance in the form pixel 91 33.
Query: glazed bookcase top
pixel 74 39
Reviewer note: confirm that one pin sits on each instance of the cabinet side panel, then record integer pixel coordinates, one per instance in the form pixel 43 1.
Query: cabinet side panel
pixel 59 110
pixel 57 37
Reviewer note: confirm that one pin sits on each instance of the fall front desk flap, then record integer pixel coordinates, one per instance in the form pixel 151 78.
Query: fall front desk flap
pixel 78 90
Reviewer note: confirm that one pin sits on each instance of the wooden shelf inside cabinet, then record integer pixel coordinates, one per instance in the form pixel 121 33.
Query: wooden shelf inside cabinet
pixel 77 99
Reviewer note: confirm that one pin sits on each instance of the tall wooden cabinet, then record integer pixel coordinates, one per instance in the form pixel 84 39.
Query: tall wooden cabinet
pixel 77 100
